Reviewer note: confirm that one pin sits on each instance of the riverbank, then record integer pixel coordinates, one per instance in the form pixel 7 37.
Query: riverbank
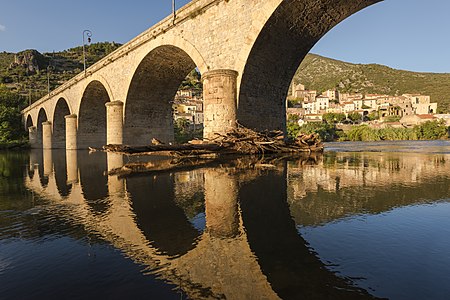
pixel 434 130
pixel 14 146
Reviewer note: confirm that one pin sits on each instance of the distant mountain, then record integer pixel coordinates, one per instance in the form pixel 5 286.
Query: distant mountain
pixel 321 73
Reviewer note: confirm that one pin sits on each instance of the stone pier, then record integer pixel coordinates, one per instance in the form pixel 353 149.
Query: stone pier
pixel 32 136
pixel 220 102
pixel 114 123
pixel 71 132
pixel 47 135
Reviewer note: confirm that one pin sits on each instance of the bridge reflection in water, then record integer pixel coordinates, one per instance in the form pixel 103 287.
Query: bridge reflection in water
pixel 222 232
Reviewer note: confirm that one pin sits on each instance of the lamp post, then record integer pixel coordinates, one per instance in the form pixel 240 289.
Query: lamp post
pixel 173 11
pixel 88 34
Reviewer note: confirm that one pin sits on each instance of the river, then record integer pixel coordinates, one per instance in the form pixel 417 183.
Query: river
pixel 361 221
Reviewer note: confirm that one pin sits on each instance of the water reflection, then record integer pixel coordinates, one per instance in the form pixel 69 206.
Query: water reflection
pixel 230 231
pixel 345 184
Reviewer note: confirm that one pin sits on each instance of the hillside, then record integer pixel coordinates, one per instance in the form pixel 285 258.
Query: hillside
pixel 321 73
pixel 25 72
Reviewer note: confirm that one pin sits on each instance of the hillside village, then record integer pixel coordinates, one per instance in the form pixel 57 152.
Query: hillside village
pixel 377 110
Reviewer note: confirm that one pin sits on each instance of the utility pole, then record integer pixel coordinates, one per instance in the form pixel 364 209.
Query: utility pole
pixel 173 11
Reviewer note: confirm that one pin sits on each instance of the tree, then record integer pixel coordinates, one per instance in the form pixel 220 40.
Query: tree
pixel 431 130
pixel 374 115
pixel 354 117
pixel 333 118
pixel 11 128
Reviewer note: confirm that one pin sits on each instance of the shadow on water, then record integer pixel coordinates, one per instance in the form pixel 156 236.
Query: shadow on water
pixel 161 220
pixel 293 271
pixel 60 166
pixel 94 182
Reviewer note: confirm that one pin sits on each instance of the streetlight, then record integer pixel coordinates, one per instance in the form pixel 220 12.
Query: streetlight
pixel 173 11
pixel 88 34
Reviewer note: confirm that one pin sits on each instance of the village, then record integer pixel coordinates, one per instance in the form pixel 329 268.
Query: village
pixel 378 111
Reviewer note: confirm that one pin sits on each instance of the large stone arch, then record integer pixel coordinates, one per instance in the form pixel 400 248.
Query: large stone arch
pixel 285 39
pixel 148 106
pixel 92 116
pixel 59 123
pixel 42 117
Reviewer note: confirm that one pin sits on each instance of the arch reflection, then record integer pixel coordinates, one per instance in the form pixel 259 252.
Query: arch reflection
pixel 157 215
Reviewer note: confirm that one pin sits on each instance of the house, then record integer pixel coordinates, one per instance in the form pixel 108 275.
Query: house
pixel 413 120
pixel 331 94
pixel 310 107
pixel 349 106
pixel 322 102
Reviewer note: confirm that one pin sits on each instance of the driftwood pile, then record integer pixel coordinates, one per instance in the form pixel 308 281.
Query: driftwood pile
pixel 246 141
pixel 240 141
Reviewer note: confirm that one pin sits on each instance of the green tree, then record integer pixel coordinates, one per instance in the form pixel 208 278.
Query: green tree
pixel 11 129
pixel 431 130
pixel 333 118
pixel 354 117
pixel 374 115
pixel 325 131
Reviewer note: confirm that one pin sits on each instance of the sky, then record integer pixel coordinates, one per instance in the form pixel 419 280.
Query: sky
pixel 404 34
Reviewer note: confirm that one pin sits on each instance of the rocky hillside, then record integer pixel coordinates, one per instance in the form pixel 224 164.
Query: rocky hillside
pixel 321 73
pixel 25 72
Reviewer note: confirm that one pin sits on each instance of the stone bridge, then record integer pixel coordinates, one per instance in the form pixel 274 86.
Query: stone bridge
pixel 246 50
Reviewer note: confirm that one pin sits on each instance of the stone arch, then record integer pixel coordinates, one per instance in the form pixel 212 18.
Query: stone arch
pixel 28 122
pixel 148 107
pixel 42 117
pixel 59 123
pixel 285 39
pixel 92 116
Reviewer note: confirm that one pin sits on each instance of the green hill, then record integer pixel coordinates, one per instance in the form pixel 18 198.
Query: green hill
pixel 25 73
pixel 321 73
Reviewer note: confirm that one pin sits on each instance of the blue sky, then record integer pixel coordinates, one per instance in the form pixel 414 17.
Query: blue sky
pixel 405 34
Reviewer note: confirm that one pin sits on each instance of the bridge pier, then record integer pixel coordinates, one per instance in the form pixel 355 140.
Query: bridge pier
pixel 47 161
pixel 114 123
pixel 47 135
pixel 72 166
pixel 220 102
pixel 221 192
pixel 32 137
pixel 71 132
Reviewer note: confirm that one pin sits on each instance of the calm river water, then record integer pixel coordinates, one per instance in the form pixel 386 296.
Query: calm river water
pixel 361 221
